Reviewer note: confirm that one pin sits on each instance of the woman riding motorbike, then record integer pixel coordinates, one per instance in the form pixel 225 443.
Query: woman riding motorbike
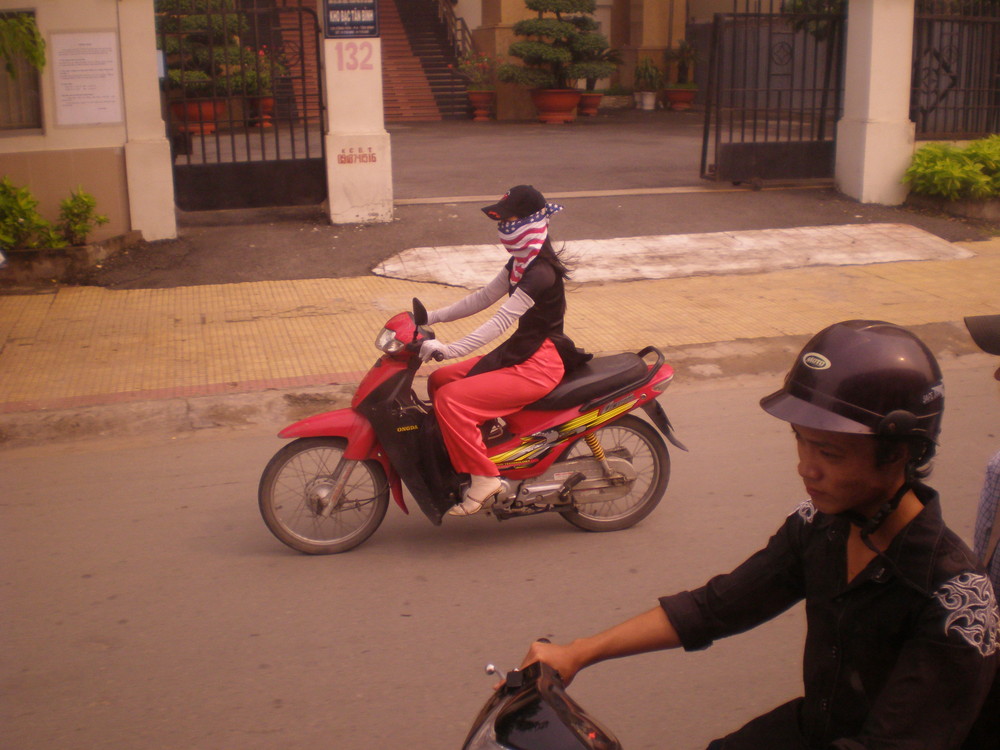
pixel 522 369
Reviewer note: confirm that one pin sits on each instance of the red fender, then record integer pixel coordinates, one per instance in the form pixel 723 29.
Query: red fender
pixel 362 445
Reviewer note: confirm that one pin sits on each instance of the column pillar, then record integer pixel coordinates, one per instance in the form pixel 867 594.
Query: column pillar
pixel 875 138
pixel 148 163
pixel 358 153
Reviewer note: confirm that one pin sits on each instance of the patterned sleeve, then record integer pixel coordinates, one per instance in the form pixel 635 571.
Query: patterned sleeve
pixel 942 675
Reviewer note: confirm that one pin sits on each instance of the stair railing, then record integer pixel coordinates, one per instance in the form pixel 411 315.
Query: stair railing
pixel 458 30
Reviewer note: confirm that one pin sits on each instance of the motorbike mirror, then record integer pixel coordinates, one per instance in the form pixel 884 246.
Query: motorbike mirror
pixel 419 312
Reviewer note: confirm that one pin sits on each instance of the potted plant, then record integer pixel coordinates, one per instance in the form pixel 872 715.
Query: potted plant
pixel 254 79
pixel 681 93
pixel 479 72
pixel 594 61
pixel 547 46
pixel 648 81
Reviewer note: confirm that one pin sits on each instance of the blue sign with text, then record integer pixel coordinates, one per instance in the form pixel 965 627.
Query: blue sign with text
pixel 350 18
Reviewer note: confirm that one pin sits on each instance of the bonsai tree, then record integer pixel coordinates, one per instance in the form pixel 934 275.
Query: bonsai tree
pixel 684 56
pixel 558 47
pixel 600 62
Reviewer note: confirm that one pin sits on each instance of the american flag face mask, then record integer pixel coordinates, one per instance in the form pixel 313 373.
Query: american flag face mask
pixel 523 238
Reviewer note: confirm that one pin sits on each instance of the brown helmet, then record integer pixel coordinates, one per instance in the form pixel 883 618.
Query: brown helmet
pixel 864 377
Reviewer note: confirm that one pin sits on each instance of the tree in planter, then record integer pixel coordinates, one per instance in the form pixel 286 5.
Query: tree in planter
pixel 557 48
pixel 681 93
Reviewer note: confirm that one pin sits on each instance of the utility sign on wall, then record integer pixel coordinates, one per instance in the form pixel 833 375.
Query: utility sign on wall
pixel 350 18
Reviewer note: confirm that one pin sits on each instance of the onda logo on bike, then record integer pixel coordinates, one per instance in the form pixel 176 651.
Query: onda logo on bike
pixel 408 428
pixel 815 361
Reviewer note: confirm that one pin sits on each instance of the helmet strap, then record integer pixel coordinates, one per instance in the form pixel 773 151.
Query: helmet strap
pixel 870 525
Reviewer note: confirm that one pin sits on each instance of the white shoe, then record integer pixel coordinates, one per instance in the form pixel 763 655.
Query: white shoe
pixel 470 504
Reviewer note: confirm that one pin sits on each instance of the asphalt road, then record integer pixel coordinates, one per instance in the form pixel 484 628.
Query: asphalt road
pixel 146 606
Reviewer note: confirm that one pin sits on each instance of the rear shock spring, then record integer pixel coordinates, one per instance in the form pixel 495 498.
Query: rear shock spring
pixel 597 449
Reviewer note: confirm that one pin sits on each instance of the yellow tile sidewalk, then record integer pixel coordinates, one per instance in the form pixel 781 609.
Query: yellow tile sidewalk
pixel 89 346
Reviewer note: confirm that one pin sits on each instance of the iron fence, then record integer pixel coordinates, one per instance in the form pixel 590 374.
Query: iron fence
pixel 956 69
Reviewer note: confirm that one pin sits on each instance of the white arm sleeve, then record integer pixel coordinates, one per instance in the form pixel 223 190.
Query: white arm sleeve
pixel 508 314
pixel 472 303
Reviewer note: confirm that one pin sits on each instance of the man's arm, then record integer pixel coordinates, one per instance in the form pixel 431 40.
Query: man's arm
pixel 650 631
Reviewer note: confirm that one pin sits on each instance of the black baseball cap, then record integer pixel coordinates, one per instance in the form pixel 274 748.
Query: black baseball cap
pixel 520 201
pixel 985 330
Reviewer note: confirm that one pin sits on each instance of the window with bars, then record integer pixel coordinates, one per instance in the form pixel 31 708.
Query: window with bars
pixel 20 88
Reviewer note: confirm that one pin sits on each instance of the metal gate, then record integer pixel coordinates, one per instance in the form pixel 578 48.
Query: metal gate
pixel 243 102
pixel 774 92
pixel 956 69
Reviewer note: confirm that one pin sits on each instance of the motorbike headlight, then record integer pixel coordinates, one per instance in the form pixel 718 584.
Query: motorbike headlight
pixel 387 342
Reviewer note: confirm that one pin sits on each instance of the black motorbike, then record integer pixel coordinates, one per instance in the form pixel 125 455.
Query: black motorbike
pixel 532 711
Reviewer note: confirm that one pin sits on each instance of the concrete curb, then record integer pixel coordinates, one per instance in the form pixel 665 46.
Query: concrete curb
pixel 696 365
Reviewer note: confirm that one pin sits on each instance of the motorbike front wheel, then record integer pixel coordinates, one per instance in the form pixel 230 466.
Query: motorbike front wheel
pixel 634 440
pixel 294 497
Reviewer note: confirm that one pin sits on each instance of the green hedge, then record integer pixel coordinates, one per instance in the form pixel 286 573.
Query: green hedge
pixel 954 173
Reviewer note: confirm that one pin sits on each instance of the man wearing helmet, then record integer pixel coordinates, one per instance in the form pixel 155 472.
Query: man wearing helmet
pixel 902 640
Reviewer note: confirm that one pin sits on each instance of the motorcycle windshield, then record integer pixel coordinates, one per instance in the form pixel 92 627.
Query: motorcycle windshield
pixel 535 724
pixel 543 716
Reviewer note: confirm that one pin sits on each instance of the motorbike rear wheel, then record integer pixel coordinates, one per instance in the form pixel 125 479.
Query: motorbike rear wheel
pixel 295 484
pixel 632 439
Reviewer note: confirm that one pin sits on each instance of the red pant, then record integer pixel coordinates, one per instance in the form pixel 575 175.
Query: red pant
pixel 463 403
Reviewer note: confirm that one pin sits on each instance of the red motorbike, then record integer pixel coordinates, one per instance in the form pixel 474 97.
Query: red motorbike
pixel 577 451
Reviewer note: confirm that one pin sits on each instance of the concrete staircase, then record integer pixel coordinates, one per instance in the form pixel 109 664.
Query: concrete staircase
pixel 417 82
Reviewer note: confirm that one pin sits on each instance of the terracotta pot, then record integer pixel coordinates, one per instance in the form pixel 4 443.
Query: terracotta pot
pixel 590 102
pixel 197 115
pixel 556 105
pixel 482 104
pixel 679 99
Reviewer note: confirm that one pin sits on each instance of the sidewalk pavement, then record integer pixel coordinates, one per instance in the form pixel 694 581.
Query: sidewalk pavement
pixel 86 361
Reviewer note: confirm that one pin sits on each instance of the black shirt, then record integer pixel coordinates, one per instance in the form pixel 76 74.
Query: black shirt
pixel 544 320
pixel 900 657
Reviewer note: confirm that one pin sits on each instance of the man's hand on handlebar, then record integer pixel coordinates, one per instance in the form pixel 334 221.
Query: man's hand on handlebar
pixel 563 659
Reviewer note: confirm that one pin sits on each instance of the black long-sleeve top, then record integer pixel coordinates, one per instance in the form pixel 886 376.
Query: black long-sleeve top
pixel 901 657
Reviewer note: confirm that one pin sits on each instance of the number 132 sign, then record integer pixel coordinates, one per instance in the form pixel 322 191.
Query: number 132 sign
pixel 354 56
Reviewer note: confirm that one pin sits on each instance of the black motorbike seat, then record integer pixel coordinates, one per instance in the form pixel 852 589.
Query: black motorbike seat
pixel 599 376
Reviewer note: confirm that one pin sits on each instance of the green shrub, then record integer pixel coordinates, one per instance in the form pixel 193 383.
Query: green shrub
pixel 78 216
pixel 953 173
pixel 21 226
